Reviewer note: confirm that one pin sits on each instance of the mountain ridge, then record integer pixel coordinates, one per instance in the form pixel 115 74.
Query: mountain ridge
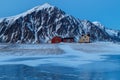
pixel 41 23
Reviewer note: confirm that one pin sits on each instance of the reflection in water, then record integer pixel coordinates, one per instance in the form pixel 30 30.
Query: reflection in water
pixel 108 69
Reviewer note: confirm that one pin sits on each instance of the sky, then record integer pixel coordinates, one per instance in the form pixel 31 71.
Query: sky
pixel 105 11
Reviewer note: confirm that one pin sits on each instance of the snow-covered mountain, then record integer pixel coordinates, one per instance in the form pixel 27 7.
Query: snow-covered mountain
pixel 114 34
pixel 42 23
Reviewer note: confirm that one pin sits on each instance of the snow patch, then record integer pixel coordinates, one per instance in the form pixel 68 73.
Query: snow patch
pixel 99 25
pixel 1 20
pixel 112 32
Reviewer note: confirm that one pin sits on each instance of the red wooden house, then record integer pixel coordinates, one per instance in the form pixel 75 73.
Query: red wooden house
pixel 56 39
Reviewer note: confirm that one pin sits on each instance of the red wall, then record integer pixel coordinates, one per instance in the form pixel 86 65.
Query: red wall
pixel 56 40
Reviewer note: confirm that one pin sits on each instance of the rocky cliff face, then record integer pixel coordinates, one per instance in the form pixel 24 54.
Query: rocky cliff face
pixel 41 23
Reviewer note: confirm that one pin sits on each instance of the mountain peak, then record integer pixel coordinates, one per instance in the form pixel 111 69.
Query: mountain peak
pixel 40 7
pixel 46 5
pixel 37 8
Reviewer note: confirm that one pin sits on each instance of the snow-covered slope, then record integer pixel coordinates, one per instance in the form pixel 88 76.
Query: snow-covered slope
pixel 41 23
pixel 114 34
pixel 99 25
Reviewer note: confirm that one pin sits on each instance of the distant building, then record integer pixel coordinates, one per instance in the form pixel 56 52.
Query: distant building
pixel 56 39
pixel 69 39
pixel 85 39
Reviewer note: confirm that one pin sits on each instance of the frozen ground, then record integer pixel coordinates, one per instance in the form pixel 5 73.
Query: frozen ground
pixel 64 61
pixel 28 49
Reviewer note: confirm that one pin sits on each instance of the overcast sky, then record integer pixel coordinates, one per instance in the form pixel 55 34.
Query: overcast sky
pixel 105 11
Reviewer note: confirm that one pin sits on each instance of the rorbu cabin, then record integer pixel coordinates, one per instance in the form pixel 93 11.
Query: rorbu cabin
pixel 68 40
pixel 85 39
pixel 56 39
